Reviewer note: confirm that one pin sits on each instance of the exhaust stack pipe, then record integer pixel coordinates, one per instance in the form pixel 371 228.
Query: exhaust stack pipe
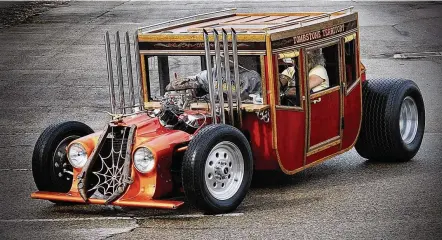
pixel 218 75
pixel 138 69
pixel 119 72
pixel 228 81
pixel 130 78
pixel 110 75
pixel 120 78
pixel 219 78
pixel 236 72
pixel 209 75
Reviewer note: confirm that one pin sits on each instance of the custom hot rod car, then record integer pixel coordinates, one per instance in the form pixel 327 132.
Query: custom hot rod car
pixel 219 96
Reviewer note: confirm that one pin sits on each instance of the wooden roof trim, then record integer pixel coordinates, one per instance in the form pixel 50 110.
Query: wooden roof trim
pixel 237 28
pixel 188 23
pixel 272 22
pixel 196 37
pixel 275 18
pixel 291 19
pixel 284 13
pixel 314 18
pixel 290 31
pixel 257 19
pixel 239 18
pixel 202 24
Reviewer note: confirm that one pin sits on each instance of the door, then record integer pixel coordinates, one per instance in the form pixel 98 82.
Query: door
pixel 324 79
pixel 353 94
pixel 290 110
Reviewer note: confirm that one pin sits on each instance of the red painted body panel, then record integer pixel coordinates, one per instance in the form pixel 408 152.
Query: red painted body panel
pixel 322 154
pixel 291 138
pixel 324 118
pixel 261 135
pixel 260 142
pixel 352 116
pixel 161 141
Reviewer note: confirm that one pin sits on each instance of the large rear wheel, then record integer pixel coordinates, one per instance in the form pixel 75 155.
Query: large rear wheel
pixel 393 120
pixel 217 169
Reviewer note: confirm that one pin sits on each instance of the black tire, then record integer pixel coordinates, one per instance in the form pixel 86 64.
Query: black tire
pixel 380 137
pixel 193 167
pixel 43 161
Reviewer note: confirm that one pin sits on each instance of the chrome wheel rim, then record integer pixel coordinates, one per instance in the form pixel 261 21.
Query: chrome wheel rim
pixel 409 120
pixel 61 166
pixel 224 170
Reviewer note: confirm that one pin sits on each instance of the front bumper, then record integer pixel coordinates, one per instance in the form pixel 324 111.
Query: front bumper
pixel 138 201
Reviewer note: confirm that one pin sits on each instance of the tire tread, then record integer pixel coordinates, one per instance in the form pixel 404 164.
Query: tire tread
pixel 378 139
pixel 44 147
pixel 192 181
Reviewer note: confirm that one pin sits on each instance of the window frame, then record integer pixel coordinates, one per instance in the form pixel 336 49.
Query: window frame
pixel 349 88
pixel 146 80
pixel 301 68
pixel 340 78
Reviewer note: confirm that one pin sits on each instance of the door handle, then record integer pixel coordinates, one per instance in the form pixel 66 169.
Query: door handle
pixel 316 101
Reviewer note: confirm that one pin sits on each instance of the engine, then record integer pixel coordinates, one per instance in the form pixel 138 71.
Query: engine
pixel 173 115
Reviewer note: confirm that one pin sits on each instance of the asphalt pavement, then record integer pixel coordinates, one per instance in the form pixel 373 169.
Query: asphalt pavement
pixel 52 68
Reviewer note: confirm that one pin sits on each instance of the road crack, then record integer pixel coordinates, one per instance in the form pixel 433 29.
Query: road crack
pixel 128 230
pixel 15 169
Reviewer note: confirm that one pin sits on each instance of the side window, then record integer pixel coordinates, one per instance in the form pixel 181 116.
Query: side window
pixel 164 69
pixel 249 68
pixel 323 68
pixel 182 72
pixel 153 77
pixel 288 78
pixel 350 60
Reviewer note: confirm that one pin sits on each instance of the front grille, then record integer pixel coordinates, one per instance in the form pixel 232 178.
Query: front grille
pixel 107 176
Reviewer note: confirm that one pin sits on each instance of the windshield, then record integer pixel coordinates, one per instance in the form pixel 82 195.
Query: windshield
pixel 175 73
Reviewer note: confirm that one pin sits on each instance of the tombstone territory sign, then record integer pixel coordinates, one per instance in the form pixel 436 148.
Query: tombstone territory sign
pixel 315 35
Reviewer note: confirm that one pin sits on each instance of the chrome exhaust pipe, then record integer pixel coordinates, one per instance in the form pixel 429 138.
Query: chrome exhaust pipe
pixel 228 81
pixel 236 72
pixel 218 76
pixel 209 75
pixel 130 79
pixel 119 72
pixel 110 75
pixel 138 69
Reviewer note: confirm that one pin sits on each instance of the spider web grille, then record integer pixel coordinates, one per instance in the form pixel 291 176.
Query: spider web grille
pixel 107 173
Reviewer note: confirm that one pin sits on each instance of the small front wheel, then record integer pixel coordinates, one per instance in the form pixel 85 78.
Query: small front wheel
pixel 50 166
pixel 217 169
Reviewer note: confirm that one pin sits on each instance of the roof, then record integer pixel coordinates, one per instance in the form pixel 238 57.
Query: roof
pixel 251 23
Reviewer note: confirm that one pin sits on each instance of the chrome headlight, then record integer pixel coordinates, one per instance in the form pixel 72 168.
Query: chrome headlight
pixel 77 155
pixel 144 160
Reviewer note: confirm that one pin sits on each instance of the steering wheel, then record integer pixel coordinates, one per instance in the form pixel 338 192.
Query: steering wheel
pixel 288 99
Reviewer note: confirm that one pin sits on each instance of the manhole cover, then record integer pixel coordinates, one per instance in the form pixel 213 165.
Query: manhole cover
pixel 417 55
